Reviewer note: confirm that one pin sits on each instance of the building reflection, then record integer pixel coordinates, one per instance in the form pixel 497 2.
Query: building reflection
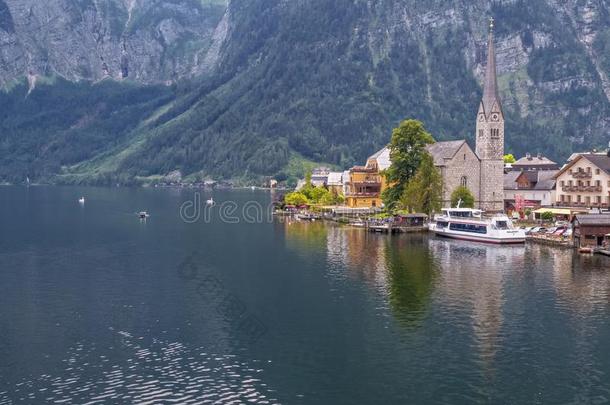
pixel 488 294
pixel 471 280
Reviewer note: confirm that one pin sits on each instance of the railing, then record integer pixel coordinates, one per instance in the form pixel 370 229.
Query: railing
pixel 581 204
pixel 583 189
pixel 350 194
pixel 582 175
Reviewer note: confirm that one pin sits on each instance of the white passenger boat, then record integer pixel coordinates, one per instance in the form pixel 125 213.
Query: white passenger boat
pixel 469 224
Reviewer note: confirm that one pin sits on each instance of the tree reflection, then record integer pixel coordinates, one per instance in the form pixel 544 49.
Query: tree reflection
pixel 411 278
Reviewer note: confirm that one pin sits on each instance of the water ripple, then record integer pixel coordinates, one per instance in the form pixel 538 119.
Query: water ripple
pixel 159 372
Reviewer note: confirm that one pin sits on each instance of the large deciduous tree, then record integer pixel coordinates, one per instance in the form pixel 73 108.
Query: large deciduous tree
pixel 424 191
pixel 407 148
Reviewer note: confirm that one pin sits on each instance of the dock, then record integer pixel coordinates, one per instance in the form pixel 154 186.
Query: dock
pixel 392 229
pixel 603 252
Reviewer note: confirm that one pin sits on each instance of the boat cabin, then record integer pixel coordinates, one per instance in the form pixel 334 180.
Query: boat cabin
pixel 462 213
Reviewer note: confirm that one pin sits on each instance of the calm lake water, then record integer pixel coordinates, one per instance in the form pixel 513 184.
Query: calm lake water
pixel 100 307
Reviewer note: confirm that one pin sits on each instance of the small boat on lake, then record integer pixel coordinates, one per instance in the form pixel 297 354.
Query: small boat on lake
pixel 305 217
pixel 210 202
pixel 81 200
pixel 469 224
pixel 143 214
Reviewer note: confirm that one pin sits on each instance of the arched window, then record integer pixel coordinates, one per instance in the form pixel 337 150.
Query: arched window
pixel 464 181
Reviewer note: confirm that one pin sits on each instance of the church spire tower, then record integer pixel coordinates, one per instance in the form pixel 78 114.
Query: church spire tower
pixel 490 135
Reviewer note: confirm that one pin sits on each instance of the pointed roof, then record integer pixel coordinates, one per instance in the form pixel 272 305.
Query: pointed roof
pixel 490 89
pixel 441 151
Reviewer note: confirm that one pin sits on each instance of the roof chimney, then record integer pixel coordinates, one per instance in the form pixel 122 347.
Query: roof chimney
pixel 539 155
pixel 528 156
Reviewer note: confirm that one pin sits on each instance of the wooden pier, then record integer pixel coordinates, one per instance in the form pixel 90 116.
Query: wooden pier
pixel 392 229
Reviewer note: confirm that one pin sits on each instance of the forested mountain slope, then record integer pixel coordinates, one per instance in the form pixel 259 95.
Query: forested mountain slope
pixel 248 86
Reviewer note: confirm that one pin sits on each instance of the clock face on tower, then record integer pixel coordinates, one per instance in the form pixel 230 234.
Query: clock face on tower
pixel 481 117
pixel 495 117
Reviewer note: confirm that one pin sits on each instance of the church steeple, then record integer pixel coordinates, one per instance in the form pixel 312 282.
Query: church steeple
pixel 490 88
pixel 490 136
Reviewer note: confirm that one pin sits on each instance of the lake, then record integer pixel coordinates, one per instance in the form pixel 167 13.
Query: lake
pixel 222 304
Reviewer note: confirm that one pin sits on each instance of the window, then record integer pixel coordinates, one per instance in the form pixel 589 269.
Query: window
pixel 495 133
pixel 578 198
pixel 562 183
pixel 480 133
pixel 563 198
pixel 588 183
pixel 464 156
pixel 570 183
pixel 464 181
pixel 588 200
pixel 598 183
pixel 598 199
pixel 471 228
pixel 569 198
pixel 596 171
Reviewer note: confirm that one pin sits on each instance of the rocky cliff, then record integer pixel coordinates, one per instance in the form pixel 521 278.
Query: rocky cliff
pixel 259 84
pixel 143 40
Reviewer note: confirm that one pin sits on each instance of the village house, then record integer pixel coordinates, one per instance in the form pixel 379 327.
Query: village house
pixel 529 162
pixel 366 184
pixel 533 188
pixel 585 181
pixel 335 183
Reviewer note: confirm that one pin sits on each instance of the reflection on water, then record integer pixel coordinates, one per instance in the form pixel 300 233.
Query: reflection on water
pixel 349 316
pixel 500 302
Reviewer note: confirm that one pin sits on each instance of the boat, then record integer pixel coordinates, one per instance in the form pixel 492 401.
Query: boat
pixel 81 200
pixel 143 214
pixel 305 217
pixel 469 224
pixel 210 202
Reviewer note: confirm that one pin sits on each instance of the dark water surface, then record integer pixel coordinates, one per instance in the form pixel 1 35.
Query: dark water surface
pixel 99 307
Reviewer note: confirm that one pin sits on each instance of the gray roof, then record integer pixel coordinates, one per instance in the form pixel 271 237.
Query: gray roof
pixel 444 150
pixel 546 180
pixel 490 88
pixel 510 180
pixel 599 160
pixel 540 179
pixel 534 161
pixel 378 153
pixel 594 219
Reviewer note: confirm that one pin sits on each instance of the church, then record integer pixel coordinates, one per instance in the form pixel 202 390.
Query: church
pixel 482 170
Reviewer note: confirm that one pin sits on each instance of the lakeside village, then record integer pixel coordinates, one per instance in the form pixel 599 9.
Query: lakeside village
pixel 483 194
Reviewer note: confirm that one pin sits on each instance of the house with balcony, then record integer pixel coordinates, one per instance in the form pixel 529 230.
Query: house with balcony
pixel 585 181
pixel 365 184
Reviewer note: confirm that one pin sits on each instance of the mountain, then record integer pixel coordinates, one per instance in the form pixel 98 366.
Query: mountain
pixel 100 91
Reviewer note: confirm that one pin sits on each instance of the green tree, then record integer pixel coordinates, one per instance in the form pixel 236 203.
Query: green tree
pixel 296 198
pixel 547 216
pixel 464 194
pixel 407 147
pixel 424 191
pixel 510 158
pixel 318 193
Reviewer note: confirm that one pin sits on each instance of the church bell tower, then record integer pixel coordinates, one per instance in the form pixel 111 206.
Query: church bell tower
pixel 490 136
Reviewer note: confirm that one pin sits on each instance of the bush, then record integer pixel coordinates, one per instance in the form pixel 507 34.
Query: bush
pixel 462 193
pixel 296 198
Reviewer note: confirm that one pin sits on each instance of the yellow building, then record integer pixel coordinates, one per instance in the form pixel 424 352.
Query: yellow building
pixel 366 183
